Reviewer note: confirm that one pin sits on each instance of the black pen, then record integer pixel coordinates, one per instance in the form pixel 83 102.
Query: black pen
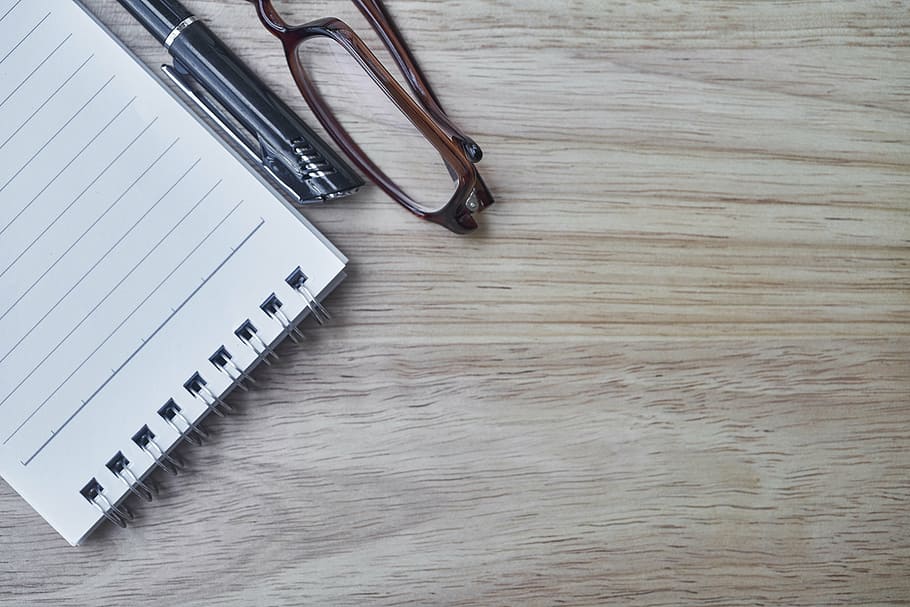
pixel 291 152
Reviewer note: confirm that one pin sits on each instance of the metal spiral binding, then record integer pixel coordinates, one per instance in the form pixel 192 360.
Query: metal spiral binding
pixel 170 412
pixel 198 387
pixel 272 307
pixel 310 162
pixel 297 281
pixel 145 439
pixel 222 359
pixel 120 466
pixel 94 493
pixel 249 335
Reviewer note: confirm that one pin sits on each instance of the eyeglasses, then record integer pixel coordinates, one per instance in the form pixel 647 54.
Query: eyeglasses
pixel 405 144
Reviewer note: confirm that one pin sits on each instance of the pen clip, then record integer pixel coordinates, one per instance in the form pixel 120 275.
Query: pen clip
pixel 218 117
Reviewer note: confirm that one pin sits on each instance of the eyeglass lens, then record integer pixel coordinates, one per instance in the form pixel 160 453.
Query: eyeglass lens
pixel 375 123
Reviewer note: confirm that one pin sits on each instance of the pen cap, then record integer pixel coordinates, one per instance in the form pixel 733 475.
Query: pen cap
pixel 160 17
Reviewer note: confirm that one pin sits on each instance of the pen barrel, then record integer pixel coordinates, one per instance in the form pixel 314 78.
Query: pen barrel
pixel 160 17
pixel 293 152
pixel 288 145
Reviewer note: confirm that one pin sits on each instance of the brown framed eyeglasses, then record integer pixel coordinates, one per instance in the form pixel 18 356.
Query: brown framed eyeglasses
pixel 407 145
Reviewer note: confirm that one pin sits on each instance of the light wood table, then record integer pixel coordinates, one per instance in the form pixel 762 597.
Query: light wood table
pixel 673 367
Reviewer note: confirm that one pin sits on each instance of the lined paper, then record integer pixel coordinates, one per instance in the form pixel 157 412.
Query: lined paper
pixel 131 248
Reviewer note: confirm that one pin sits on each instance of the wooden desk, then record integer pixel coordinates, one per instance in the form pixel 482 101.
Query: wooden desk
pixel 672 368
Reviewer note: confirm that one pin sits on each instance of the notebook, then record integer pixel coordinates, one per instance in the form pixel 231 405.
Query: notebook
pixel 144 268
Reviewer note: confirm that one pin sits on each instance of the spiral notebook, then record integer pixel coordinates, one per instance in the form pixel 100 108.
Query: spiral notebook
pixel 144 269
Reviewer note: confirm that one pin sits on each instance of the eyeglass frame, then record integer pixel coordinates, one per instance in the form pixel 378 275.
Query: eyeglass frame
pixel 458 151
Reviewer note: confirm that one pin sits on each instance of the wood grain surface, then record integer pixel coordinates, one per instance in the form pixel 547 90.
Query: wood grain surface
pixel 673 366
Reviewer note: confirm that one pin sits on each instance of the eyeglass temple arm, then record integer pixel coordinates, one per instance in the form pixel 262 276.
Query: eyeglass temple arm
pixel 376 13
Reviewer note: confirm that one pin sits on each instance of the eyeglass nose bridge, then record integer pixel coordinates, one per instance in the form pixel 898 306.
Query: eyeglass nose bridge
pixel 270 17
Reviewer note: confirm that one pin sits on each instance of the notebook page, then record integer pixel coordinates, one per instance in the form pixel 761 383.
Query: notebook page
pixel 132 246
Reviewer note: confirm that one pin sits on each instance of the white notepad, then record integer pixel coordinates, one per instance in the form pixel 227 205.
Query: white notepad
pixel 136 253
